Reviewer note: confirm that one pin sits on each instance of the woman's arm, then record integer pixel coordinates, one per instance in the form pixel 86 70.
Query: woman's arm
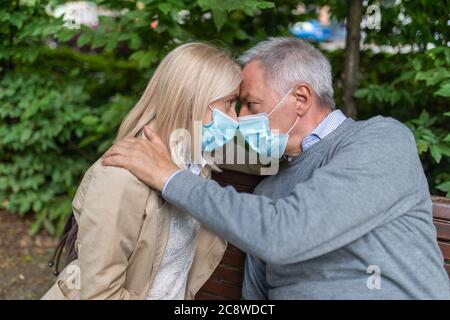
pixel 111 218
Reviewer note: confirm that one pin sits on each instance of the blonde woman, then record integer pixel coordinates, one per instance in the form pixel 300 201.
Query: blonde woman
pixel 123 240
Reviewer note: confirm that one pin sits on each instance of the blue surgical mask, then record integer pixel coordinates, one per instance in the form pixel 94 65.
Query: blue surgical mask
pixel 256 132
pixel 219 131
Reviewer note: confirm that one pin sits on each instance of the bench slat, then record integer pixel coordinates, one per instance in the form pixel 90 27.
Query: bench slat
pixel 222 289
pixel 234 277
pixel 441 208
pixel 447 268
pixel 208 296
pixel 234 177
pixel 233 259
pixel 445 248
pixel 442 229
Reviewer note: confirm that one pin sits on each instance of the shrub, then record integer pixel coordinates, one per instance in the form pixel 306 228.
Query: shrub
pixel 63 92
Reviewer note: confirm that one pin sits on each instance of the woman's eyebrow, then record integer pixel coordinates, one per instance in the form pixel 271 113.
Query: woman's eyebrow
pixel 232 96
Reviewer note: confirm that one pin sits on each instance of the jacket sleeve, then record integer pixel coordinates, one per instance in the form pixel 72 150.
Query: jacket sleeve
pixel 367 182
pixel 110 222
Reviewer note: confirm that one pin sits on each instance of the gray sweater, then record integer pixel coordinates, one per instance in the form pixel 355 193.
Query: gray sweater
pixel 355 203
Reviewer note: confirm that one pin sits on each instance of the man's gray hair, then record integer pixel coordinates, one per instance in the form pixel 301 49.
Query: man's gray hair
pixel 288 61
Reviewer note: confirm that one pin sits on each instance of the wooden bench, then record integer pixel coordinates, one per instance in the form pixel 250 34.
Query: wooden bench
pixel 441 219
pixel 226 281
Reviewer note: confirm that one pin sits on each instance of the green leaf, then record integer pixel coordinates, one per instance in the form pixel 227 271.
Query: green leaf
pixel 241 35
pixel 165 7
pixel 84 39
pixel 89 120
pixel 266 4
pixel 219 17
pixel 135 42
pixel 98 41
pixel 447 138
pixel 436 153
pixel 49 227
pixel 424 117
pixel 37 206
pixel 111 44
pixel 25 135
pixel 361 93
pixel 66 34
pixel 30 111
pixel 445 186
pixel 36 226
pixel 444 91
pixel 143 58
pixel 417 64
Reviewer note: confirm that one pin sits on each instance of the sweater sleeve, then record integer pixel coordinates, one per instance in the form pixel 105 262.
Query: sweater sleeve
pixel 371 179
pixel 254 286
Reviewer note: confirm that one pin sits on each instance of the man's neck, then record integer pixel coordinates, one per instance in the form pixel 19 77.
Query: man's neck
pixel 304 128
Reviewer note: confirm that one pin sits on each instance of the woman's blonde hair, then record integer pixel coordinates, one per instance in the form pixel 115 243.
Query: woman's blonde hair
pixel 187 80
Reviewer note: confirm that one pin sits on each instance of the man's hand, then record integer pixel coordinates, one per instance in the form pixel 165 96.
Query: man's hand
pixel 148 159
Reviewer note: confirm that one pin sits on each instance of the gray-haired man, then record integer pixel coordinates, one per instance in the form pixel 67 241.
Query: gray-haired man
pixel 348 216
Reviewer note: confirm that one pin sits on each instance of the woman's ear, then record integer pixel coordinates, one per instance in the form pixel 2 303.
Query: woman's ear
pixel 303 98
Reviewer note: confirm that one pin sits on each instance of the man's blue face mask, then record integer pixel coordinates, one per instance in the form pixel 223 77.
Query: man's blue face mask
pixel 256 132
pixel 219 131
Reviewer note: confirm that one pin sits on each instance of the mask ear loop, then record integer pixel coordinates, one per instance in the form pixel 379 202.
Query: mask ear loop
pixel 279 103
pixel 289 131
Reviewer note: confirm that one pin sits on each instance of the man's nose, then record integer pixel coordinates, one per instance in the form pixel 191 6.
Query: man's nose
pixel 244 111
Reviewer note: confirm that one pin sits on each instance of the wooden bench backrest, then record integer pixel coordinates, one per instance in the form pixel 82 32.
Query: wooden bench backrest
pixel 226 281
pixel 441 219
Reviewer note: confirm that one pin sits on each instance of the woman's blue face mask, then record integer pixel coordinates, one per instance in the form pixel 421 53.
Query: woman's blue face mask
pixel 219 131
pixel 256 132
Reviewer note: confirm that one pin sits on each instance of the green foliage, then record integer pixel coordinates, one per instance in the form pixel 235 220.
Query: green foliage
pixel 412 22
pixel 414 88
pixel 64 92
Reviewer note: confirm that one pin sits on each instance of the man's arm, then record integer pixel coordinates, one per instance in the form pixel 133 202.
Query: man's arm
pixel 365 184
pixel 358 190
pixel 254 286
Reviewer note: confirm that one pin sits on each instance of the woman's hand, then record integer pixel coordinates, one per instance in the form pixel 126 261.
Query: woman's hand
pixel 148 159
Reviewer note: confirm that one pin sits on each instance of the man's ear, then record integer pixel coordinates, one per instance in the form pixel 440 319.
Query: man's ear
pixel 303 98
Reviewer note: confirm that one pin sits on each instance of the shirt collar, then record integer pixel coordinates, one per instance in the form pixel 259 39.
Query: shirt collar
pixel 333 120
pixel 327 125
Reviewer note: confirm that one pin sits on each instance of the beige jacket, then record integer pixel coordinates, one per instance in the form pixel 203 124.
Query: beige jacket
pixel 122 236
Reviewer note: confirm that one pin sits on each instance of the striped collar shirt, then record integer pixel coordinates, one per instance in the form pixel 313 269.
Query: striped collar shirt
pixel 328 125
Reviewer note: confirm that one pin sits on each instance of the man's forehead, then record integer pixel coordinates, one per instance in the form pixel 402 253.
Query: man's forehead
pixel 253 81
pixel 253 70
